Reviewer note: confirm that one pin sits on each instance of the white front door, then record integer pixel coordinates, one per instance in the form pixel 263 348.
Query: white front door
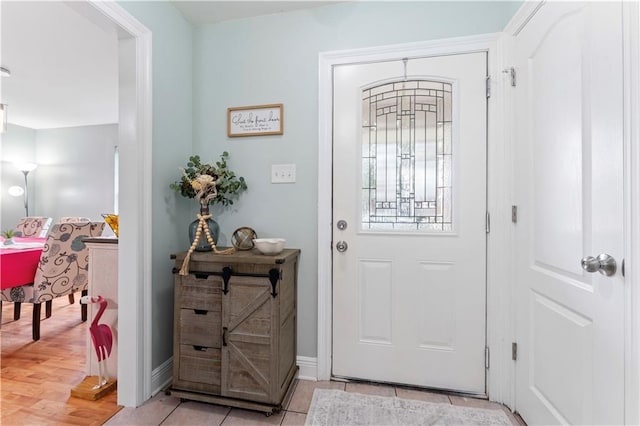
pixel 409 228
pixel 569 192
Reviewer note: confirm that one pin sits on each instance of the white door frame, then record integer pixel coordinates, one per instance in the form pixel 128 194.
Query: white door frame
pixel 135 249
pixel 498 186
pixel 631 82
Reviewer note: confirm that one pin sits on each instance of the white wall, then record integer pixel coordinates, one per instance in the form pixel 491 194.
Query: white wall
pixel 75 171
pixel 18 145
pixel 74 175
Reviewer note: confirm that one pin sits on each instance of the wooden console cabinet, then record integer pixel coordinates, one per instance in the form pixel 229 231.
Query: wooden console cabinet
pixel 234 340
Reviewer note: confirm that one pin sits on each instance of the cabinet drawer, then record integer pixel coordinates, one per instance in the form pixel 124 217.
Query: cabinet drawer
pixel 199 369
pixel 200 293
pixel 200 327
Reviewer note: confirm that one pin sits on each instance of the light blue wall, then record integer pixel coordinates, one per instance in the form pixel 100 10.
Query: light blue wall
pixel 273 59
pixel 172 129
pixel 18 145
pixel 198 73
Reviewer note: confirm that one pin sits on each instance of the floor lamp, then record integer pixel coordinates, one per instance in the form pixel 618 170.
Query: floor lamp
pixel 25 168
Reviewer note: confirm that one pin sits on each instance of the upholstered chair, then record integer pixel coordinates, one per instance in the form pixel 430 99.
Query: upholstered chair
pixel 73 219
pixel 33 226
pixel 62 270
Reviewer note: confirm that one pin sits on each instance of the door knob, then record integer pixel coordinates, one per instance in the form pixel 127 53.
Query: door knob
pixel 342 246
pixel 604 263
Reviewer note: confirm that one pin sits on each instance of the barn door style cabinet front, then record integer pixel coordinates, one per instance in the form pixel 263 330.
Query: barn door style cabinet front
pixel 235 329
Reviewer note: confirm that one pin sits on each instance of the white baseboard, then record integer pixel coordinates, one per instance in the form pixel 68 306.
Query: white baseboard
pixel 308 368
pixel 162 376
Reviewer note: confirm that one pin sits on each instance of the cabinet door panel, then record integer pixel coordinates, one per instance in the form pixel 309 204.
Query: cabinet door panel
pixel 249 316
pixel 248 370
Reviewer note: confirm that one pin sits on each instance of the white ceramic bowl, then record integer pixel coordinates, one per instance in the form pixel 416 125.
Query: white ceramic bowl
pixel 269 245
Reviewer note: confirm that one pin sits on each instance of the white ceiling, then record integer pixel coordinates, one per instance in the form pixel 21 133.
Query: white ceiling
pixel 64 68
pixel 201 12
pixel 64 65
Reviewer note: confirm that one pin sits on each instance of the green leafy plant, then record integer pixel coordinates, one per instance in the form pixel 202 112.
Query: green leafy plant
pixel 9 233
pixel 209 183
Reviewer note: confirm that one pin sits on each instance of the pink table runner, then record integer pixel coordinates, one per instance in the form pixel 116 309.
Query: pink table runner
pixel 18 266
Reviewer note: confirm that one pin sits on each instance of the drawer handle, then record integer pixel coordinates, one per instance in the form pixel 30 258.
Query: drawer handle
pixel 224 336
pixel 274 277
pixel 200 348
pixel 201 275
pixel 200 311
pixel 226 276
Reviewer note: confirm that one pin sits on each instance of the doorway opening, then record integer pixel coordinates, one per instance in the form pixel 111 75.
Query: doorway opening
pixel 134 200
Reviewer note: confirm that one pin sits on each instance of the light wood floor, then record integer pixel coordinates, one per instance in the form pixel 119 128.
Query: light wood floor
pixel 36 377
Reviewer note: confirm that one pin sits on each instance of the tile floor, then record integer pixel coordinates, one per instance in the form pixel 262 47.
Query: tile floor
pixel 168 410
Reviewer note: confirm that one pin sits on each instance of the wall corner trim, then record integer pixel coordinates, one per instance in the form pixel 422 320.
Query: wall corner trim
pixel 522 16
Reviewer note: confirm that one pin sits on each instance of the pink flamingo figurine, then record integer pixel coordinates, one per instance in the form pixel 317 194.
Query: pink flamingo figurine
pixel 101 337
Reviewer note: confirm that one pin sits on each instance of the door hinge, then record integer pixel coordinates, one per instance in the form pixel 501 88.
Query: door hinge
pixel 514 351
pixel 486 357
pixel 488 223
pixel 488 86
pixel 512 75
pixel 514 214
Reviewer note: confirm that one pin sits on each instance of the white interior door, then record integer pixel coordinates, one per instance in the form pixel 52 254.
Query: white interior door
pixel 409 236
pixel 570 323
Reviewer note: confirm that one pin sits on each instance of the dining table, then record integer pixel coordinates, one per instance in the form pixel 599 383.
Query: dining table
pixel 19 261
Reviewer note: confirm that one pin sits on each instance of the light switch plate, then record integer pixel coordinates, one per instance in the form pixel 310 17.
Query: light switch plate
pixel 283 173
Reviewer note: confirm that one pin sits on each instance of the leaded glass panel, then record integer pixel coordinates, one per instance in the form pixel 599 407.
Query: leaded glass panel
pixel 407 156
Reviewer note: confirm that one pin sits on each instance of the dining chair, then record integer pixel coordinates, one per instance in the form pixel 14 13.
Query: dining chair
pixel 73 219
pixel 62 270
pixel 33 226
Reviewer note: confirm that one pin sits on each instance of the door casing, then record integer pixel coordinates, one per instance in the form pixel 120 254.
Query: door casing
pixel 135 249
pixel 500 246
pixel 497 183
pixel 631 149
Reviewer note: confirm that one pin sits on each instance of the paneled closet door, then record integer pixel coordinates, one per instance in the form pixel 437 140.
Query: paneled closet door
pixel 569 235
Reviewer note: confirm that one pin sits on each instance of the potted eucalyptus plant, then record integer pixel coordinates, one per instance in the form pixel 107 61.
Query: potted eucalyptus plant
pixel 208 184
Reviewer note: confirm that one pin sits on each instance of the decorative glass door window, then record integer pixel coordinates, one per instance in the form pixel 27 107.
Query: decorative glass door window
pixel 406 156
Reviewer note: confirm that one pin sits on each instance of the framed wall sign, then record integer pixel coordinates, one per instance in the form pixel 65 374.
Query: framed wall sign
pixel 256 120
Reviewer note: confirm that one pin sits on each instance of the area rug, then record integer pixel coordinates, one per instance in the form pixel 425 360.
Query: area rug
pixel 336 407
